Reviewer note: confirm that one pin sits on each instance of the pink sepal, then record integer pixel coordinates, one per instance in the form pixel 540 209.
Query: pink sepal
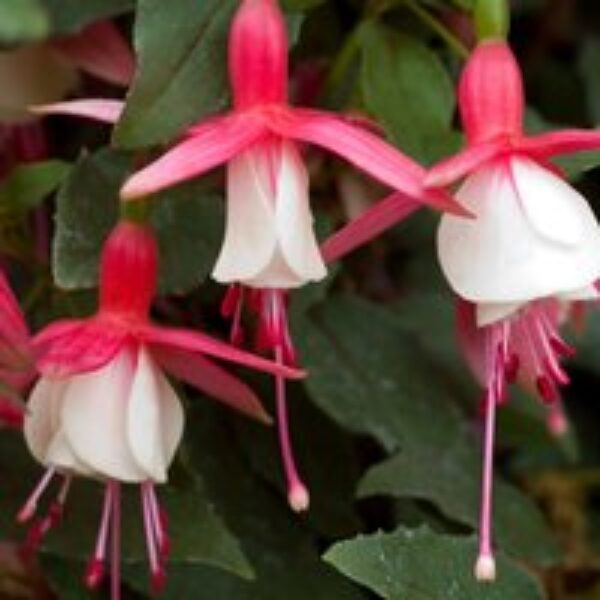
pixel 214 381
pixel 490 94
pixel 101 51
pixel 14 333
pixel 372 222
pixel 258 54
pixel 468 160
pixel 365 151
pixel 105 111
pixel 205 147
pixel 77 346
pixel 566 141
pixel 196 342
pixel 129 271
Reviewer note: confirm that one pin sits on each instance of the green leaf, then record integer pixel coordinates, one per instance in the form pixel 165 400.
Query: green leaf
pixel 86 210
pixel 421 564
pixel 69 16
pixel 181 49
pixel 448 477
pixel 188 221
pixel 373 377
pixel 406 87
pixel 27 185
pixel 22 21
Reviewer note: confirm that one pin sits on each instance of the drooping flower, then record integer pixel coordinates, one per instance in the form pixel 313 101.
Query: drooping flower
pixel 104 408
pixel 269 240
pixel 534 243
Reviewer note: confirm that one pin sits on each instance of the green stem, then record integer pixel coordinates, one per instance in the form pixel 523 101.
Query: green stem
pixel 438 28
pixel 346 56
pixel 137 211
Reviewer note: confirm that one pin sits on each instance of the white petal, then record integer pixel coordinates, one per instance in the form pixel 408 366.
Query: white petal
pixel 94 419
pixel 61 455
pixel 154 419
pixel 277 274
pixel 489 313
pixel 589 292
pixel 499 257
pixel 554 209
pixel 42 416
pixel 294 218
pixel 250 236
pixel 31 75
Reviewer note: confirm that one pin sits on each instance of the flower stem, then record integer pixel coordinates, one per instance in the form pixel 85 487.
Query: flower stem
pixel 438 28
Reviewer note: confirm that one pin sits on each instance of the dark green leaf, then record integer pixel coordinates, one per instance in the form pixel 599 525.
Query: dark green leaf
pixel 419 564
pixel 27 185
pixel 87 208
pixel 368 373
pixel 408 90
pixel 188 221
pixel 189 224
pixel 181 49
pixel 68 16
pixel 448 477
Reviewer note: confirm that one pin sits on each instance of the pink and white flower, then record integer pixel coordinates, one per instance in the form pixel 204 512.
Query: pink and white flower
pixel 534 243
pixel 104 408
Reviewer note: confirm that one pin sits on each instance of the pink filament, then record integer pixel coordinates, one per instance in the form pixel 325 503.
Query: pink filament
pixel 95 570
pixel 40 528
pixel 277 337
pixel 30 507
pixel 115 571
pixel 152 526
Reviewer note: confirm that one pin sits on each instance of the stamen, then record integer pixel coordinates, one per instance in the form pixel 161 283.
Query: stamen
pixel 298 496
pixel 546 389
pixel 159 522
pixel 496 350
pixel 30 507
pixel 115 571
pixel 95 569
pixel 231 308
pixel 511 368
pixel 557 421
pixel 42 526
pixel 157 572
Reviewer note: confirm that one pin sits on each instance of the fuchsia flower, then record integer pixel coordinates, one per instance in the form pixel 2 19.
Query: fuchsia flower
pixel 269 240
pixel 103 407
pixel 534 244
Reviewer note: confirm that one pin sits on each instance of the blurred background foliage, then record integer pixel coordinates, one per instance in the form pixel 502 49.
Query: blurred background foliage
pixel 387 425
